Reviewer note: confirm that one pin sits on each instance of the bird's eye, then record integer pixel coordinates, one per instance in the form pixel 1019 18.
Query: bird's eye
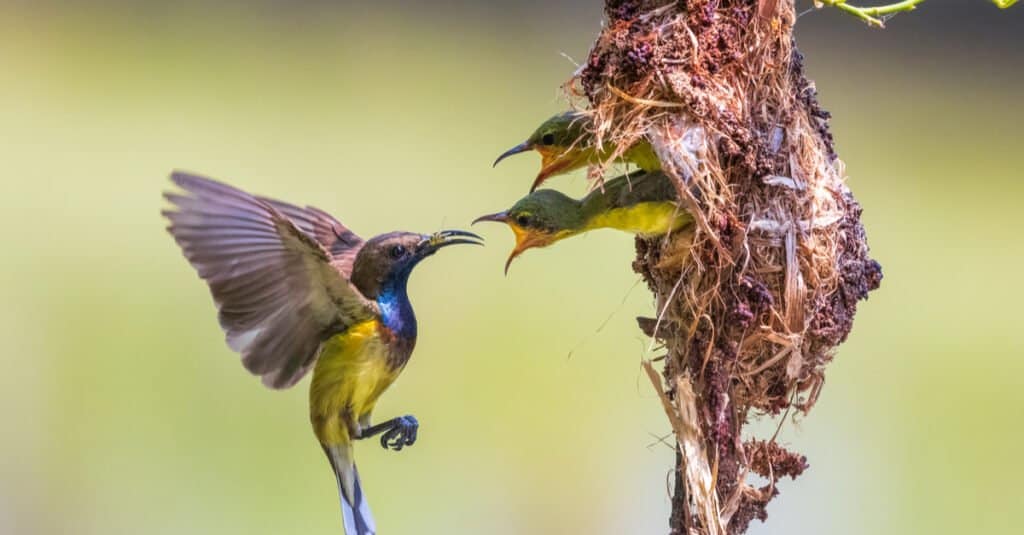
pixel 548 139
pixel 523 220
pixel 397 251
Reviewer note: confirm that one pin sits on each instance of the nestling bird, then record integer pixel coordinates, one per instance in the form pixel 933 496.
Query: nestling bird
pixel 641 204
pixel 297 290
pixel 565 143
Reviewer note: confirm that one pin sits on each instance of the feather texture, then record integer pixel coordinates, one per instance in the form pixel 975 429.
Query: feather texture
pixel 278 273
pixel 336 238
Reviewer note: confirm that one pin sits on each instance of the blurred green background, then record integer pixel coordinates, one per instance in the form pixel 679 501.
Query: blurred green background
pixel 124 412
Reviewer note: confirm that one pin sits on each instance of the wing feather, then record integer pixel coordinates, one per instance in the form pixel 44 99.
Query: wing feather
pixel 276 271
pixel 337 239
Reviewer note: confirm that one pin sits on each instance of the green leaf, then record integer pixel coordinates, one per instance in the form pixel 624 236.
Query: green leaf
pixel 1003 4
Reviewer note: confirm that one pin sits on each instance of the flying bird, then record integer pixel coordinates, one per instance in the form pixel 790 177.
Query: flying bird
pixel 566 143
pixel 296 290
pixel 643 204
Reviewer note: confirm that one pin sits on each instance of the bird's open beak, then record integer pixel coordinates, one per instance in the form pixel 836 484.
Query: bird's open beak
pixel 522 147
pixel 444 238
pixel 525 239
pixel 554 162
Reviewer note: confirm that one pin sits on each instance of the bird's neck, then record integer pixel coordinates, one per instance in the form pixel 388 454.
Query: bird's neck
pixel 598 202
pixel 395 309
pixel 642 154
pixel 575 220
pixel 645 218
pixel 642 204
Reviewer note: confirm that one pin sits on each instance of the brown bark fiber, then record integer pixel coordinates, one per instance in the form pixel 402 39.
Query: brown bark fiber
pixel 755 298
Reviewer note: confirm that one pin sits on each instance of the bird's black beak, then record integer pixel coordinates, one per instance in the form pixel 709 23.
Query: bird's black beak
pixel 444 238
pixel 500 217
pixel 525 238
pixel 522 147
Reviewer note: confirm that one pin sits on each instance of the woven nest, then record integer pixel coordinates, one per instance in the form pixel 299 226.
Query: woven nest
pixel 753 302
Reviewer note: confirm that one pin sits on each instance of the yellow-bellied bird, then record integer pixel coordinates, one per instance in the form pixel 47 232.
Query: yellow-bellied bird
pixel 639 203
pixel 565 143
pixel 295 291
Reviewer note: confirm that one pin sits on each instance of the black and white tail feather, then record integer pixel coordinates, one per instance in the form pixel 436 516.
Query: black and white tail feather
pixel 355 510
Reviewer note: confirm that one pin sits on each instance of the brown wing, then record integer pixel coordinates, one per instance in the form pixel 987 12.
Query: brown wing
pixel 277 293
pixel 340 242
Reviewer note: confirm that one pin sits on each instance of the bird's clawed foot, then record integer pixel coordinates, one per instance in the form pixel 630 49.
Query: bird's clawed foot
pixel 395 433
pixel 401 434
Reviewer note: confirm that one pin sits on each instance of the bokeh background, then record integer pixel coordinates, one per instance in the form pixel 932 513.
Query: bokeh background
pixel 124 412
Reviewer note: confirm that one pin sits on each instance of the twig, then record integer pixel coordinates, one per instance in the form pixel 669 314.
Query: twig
pixel 643 101
pixel 871 15
pixel 700 478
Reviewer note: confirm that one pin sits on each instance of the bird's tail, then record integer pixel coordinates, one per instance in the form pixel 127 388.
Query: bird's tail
pixel 355 511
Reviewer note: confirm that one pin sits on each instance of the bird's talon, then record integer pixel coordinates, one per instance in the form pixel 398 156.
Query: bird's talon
pixel 402 434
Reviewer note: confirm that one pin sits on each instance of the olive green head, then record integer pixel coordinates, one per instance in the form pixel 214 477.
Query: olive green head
pixel 539 219
pixel 563 142
pixel 561 131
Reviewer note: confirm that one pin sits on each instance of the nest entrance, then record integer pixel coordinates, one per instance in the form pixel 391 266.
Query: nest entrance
pixel 777 261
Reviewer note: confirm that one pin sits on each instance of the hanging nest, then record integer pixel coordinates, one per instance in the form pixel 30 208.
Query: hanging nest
pixel 769 279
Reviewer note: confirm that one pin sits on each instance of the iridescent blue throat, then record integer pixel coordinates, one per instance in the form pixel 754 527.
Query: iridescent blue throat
pixel 395 309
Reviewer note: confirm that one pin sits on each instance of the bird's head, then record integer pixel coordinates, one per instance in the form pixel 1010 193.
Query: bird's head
pixel 390 258
pixel 563 142
pixel 538 220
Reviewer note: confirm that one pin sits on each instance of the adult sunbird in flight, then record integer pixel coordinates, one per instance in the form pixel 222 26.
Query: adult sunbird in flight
pixel 565 143
pixel 640 204
pixel 297 290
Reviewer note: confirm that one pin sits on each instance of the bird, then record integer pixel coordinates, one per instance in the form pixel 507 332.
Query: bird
pixel 644 204
pixel 565 143
pixel 297 290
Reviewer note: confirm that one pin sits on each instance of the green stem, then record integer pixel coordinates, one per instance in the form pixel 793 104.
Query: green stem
pixel 870 14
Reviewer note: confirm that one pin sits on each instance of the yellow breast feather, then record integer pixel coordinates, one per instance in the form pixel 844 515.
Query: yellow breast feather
pixel 351 372
pixel 650 218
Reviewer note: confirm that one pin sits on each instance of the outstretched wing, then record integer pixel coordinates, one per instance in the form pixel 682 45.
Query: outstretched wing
pixel 275 287
pixel 336 238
